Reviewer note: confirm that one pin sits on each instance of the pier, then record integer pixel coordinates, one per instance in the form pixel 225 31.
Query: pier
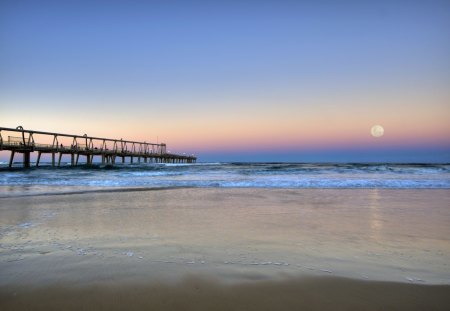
pixel 22 141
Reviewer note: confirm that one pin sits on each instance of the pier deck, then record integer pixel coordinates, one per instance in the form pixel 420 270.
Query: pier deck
pixel 23 141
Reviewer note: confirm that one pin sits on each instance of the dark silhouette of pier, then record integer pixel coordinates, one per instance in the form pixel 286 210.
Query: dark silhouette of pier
pixel 22 141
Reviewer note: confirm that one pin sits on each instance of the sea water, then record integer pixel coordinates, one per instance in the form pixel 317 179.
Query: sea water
pixel 47 179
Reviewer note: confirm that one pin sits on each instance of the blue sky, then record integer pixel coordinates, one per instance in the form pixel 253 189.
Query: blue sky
pixel 225 79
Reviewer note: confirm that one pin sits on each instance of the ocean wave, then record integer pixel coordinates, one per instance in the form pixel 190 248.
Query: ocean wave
pixel 85 191
pixel 227 175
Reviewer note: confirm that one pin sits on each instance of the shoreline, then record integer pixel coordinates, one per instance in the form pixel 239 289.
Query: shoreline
pixel 89 190
pixel 99 190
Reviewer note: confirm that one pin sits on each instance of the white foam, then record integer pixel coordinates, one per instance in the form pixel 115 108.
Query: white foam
pixel 25 225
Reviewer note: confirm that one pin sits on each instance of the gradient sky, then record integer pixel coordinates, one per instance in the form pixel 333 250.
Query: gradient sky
pixel 234 80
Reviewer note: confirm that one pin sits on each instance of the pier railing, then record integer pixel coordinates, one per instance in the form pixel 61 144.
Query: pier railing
pixel 89 146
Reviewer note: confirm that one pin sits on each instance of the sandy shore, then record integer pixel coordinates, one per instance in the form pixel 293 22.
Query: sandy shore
pixel 253 249
pixel 319 293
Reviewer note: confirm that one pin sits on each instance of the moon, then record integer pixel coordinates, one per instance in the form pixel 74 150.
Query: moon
pixel 377 131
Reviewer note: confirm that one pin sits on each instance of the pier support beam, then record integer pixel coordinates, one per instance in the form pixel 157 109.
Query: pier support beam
pixel 38 158
pixel 11 158
pixel 76 159
pixel 72 159
pixel 53 159
pixel 59 159
pixel 88 159
pixel 26 159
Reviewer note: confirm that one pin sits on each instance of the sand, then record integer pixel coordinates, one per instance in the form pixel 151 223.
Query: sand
pixel 222 249
pixel 320 293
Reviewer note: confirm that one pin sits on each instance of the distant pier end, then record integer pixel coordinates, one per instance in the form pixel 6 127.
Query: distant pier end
pixel 19 140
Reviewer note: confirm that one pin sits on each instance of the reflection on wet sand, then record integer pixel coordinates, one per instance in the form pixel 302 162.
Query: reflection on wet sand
pixel 376 221
pixel 232 235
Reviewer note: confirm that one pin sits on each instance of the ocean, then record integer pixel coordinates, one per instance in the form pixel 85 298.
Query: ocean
pixel 47 179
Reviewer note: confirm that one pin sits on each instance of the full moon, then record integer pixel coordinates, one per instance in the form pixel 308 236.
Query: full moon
pixel 377 131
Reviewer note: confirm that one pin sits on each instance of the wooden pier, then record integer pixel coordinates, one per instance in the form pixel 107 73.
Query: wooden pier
pixel 22 141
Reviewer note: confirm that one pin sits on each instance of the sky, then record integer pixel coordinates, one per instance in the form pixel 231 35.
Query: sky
pixel 234 80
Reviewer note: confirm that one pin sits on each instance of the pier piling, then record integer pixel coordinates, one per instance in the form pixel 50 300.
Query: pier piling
pixel 11 158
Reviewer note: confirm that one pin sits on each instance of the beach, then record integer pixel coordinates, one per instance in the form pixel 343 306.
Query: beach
pixel 225 155
pixel 203 248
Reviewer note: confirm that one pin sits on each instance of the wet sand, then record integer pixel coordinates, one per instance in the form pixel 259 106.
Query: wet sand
pixel 320 293
pixel 253 249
